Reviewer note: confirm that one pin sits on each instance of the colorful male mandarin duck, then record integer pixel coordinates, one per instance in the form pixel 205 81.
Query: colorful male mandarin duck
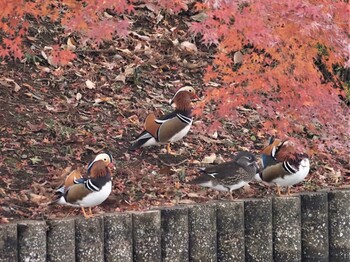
pixel 91 191
pixel 276 151
pixel 282 165
pixel 230 175
pixel 171 127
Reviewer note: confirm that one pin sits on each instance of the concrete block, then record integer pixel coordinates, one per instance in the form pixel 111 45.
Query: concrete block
pixel 230 228
pixel 8 243
pixel 175 235
pixel 286 229
pixel 32 241
pixel 202 229
pixel 118 237
pixel 89 239
pixel 339 225
pixel 314 227
pixel 147 236
pixel 258 230
pixel 61 240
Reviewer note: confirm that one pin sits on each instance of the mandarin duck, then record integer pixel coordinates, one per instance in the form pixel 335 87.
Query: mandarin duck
pixel 171 127
pixel 230 175
pixel 276 151
pixel 87 192
pixel 282 165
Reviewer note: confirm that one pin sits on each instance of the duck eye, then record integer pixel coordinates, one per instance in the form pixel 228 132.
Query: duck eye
pixel 105 159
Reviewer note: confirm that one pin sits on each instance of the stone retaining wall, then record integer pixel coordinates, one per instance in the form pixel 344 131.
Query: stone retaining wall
pixel 308 227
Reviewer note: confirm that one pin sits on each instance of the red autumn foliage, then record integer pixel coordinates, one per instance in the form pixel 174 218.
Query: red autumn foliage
pixel 94 20
pixel 280 42
pixel 283 45
pixel 60 57
pixel 89 72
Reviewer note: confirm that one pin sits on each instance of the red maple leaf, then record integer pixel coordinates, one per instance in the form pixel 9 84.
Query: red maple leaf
pixel 61 57
pixel 4 52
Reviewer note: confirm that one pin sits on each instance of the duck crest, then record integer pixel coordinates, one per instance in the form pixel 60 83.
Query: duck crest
pixel 285 151
pixel 182 101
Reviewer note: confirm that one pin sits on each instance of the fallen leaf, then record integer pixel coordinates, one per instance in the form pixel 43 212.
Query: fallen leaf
pixel 238 57
pixel 50 108
pixel 142 37
pixel 35 160
pixel 36 128
pixel 37 199
pixel 219 159
pixel 209 159
pixel 105 14
pixel 152 7
pixel 28 86
pixel 71 45
pixel 32 38
pixel 78 96
pixel 48 48
pixel 4 220
pixel 2 192
pixel 200 17
pixel 29 94
pixel 39 187
pixel 248 190
pixel 95 150
pixel 124 51
pixel 121 77
pixel 191 194
pixel 90 84
pixel 189 47
pixel 102 99
pixel 186 201
pixel 17 86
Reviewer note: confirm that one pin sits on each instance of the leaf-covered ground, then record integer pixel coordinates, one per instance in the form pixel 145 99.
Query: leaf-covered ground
pixel 56 119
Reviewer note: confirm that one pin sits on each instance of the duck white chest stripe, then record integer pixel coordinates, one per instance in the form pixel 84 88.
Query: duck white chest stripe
pixel 158 121
pixel 89 185
pixel 289 168
pixel 273 152
pixel 184 119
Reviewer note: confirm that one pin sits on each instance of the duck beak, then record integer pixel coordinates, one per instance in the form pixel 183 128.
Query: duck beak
pixel 111 166
pixel 195 97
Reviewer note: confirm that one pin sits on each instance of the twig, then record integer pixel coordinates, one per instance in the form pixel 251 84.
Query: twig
pixel 97 51
pixel 172 165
